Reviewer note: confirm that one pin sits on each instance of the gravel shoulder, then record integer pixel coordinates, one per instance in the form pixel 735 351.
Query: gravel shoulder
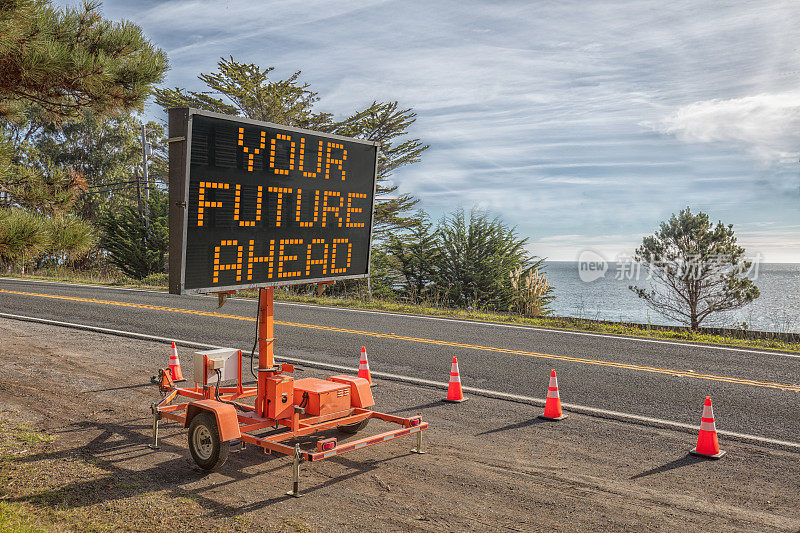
pixel 74 409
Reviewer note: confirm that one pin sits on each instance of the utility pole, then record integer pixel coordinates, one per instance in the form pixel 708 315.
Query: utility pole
pixel 145 150
pixel 139 193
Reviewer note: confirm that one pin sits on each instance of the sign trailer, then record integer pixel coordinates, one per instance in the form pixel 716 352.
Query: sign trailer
pixel 258 205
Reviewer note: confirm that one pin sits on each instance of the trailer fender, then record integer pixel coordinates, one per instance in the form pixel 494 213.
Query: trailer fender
pixel 225 413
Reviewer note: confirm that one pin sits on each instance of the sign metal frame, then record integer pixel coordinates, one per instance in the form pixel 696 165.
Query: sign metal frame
pixel 180 157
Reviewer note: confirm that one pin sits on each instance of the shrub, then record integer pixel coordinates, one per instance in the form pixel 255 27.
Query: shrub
pixel 138 247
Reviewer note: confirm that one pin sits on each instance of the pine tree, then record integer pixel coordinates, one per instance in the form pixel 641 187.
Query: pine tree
pixel 69 238
pixel 30 237
pixel 697 269
pixel 247 90
pixel 22 235
pixel 49 191
pixel 66 61
pixel 57 63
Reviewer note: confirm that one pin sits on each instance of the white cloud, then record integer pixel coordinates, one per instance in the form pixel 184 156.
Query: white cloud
pixel 767 124
pixel 239 18
pixel 534 110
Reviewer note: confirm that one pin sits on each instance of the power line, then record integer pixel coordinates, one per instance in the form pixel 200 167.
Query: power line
pixel 113 189
pixel 112 184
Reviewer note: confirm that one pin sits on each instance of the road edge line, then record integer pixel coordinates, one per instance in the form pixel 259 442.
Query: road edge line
pixel 575 408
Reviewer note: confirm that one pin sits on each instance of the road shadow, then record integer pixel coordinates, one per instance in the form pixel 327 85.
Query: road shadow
pixel 355 468
pixel 518 425
pixel 116 445
pixel 138 386
pixel 686 460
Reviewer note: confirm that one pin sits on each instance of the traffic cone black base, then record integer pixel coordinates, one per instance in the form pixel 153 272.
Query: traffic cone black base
pixel 694 452
pixel 552 418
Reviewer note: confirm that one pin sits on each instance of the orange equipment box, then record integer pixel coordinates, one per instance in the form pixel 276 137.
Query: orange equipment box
pixel 360 393
pixel 323 396
pixel 279 397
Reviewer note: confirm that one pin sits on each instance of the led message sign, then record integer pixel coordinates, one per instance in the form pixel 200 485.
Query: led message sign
pixel 256 204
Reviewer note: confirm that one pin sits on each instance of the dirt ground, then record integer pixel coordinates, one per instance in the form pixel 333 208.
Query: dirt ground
pixel 74 409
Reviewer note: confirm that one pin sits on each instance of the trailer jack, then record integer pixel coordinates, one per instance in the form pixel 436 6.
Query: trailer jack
pixel 295 492
pixel 156 418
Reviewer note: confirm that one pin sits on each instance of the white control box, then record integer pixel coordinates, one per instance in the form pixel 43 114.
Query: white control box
pixel 226 360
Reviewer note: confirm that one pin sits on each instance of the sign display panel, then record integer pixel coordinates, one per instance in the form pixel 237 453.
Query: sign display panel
pixel 265 204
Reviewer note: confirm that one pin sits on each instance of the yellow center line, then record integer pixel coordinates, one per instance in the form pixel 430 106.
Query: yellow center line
pixel 581 360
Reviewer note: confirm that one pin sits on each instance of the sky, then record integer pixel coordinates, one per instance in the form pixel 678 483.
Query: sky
pixel 583 124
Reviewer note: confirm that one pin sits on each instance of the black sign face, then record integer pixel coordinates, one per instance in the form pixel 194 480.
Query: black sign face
pixel 270 205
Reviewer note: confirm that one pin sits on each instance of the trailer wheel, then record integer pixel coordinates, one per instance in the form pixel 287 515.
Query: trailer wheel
pixel 353 428
pixel 204 444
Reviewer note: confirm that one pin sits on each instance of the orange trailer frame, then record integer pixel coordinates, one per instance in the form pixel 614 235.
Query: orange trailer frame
pixel 240 421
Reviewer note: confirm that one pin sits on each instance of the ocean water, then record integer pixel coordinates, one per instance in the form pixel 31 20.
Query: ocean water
pixel 608 298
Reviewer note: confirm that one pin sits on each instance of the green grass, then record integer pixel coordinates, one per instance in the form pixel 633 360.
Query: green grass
pixel 17 518
pixel 45 491
pixel 16 433
pixel 560 323
pixel 29 436
pixel 157 282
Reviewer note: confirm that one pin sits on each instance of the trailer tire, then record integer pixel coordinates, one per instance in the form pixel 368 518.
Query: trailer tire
pixel 353 428
pixel 204 443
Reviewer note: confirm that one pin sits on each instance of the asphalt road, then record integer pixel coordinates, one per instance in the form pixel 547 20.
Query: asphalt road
pixel 754 392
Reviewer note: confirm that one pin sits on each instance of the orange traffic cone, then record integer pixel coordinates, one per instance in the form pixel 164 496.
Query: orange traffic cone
pixel 707 444
pixel 175 365
pixel 454 392
pixel 363 366
pixel 552 406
